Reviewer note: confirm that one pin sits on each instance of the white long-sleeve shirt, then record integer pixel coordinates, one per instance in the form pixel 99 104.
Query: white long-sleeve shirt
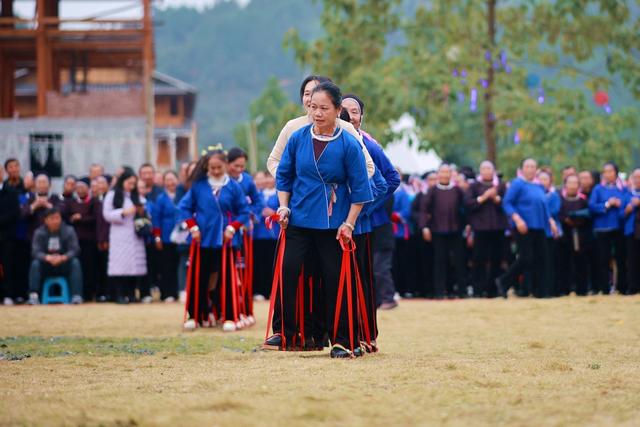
pixel 298 123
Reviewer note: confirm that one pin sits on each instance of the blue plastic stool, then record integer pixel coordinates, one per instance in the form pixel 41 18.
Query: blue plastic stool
pixel 60 282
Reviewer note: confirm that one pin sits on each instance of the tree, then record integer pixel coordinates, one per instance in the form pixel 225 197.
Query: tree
pixel 352 53
pixel 267 115
pixel 489 79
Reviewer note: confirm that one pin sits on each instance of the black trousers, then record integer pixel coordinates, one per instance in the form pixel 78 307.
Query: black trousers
pixel 572 268
pixel 423 266
pixel 299 242
pixel 125 286
pixel 405 273
pixel 210 261
pixel 532 262
pixel 364 258
pixel 168 270
pixel 88 259
pixel 610 244
pixel 16 259
pixel 152 279
pixel 263 257
pixel 103 285
pixel 444 247
pixel 633 265
pixel 488 253
pixel 7 281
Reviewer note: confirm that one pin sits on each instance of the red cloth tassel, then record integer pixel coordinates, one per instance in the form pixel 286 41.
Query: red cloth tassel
pixel 248 271
pixel 345 282
pixel 194 262
pixel 276 285
pixel 363 315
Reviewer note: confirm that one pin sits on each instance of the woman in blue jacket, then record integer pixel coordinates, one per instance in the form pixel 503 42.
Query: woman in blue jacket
pixel 322 185
pixel 213 210
pixel 264 239
pixel 553 203
pixel 632 232
pixel 525 203
pixel 606 207
pixel 164 214
pixel 236 169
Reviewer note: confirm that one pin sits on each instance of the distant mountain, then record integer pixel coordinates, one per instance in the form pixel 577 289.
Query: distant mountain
pixel 228 53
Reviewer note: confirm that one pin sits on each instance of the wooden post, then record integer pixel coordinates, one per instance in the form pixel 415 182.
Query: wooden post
pixel 43 59
pixel 7 85
pixel 6 12
pixel 147 77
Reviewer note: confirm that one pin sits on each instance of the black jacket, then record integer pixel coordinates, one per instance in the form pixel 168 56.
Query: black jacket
pixel 9 211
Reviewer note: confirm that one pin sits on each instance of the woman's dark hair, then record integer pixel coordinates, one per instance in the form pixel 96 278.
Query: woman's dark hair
pixel 332 90
pixel 357 99
pixel 235 153
pixel 200 171
pixel 118 189
pixel 613 165
pixel 312 78
pixel 344 115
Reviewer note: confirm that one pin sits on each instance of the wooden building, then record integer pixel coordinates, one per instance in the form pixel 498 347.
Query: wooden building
pixel 89 84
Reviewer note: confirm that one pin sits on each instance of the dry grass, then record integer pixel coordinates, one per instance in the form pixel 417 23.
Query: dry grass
pixel 569 361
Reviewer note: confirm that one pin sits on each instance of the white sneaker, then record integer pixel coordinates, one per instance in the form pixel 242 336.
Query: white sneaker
pixel 77 299
pixel 183 296
pixel 33 298
pixel 189 325
pixel 7 301
pixel 169 300
pixel 239 325
pixel 229 326
pixel 251 320
pixel 147 300
pixel 259 298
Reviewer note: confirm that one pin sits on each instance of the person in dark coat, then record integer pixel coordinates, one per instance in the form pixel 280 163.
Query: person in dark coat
pixel 9 214
pixel 104 291
pixel 575 241
pixel 483 201
pixel 82 214
pixel 55 252
pixel 38 203
pixel 442 209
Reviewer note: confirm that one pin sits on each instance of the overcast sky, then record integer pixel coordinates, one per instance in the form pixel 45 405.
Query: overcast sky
pixel 79 9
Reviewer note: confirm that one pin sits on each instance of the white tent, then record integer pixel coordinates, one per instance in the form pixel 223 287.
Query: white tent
pixel 404 152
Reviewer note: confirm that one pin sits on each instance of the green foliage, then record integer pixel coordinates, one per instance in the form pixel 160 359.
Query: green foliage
pixel 228 53
pixel 18 348
pixel 563 42
pixel 267 113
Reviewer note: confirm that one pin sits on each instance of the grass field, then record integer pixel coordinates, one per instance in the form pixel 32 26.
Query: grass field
pixel 521 362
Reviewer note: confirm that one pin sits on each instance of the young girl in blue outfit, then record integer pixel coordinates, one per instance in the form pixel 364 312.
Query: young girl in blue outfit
pixel 607 210
pixel 322 184
pixel 213 210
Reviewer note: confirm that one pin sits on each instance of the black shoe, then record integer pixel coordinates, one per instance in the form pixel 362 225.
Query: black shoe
pixel 339 352
pixel 500 288
pixel 358 352
pixel 274 342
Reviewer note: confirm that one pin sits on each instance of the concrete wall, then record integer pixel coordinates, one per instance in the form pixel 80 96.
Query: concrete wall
pixel 112 142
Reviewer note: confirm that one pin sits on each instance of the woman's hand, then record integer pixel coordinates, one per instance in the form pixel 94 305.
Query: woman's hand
pixel 283 216
pixel 426 234
pixel 131 210
pixel 195 234
pixel 228 233
pixel 345 233
pixel 554 228
pixel 521 226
